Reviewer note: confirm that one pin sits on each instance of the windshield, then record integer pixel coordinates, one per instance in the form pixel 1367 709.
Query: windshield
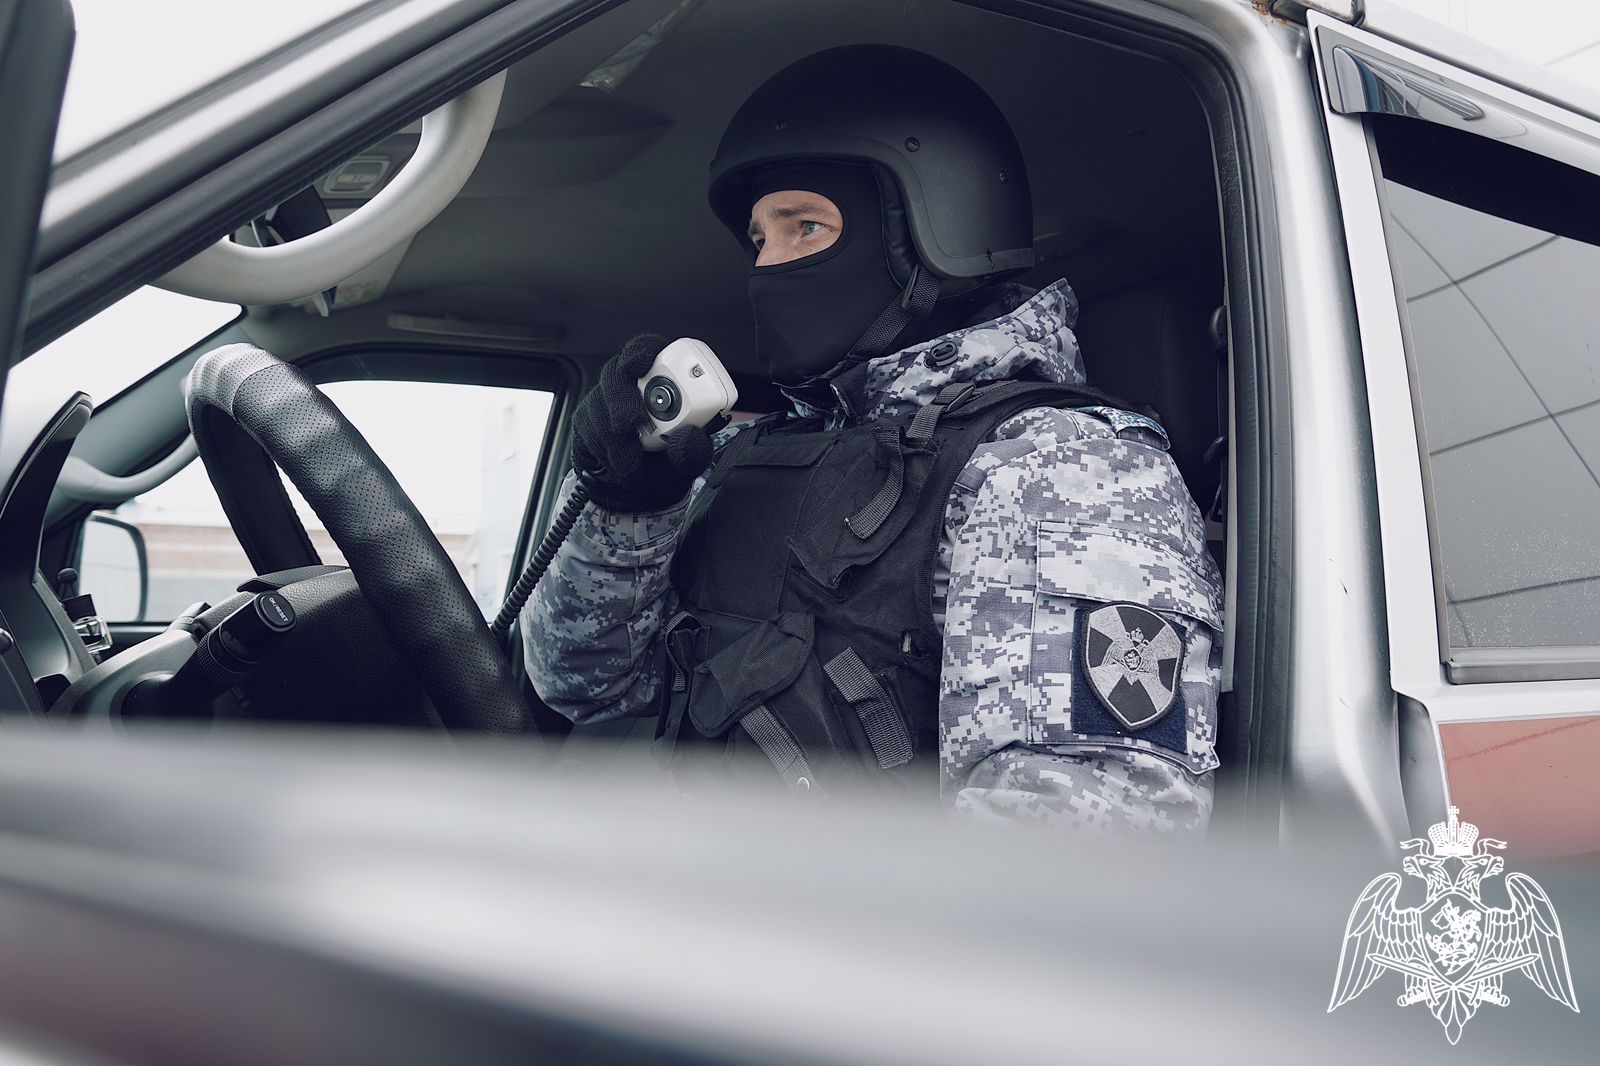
pixel 122 344
pixel 132 59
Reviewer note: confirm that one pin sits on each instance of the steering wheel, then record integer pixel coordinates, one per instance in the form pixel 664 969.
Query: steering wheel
pixel 253 414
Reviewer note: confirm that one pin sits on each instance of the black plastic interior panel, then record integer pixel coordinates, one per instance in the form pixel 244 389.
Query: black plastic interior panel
pixel 44 635
pixel 35 43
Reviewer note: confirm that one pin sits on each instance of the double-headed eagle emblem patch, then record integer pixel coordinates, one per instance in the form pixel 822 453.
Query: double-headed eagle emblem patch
pixel 1131 656
pixel 1452 950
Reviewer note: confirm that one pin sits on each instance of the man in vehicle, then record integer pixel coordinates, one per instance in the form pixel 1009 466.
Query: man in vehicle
pixel 947 549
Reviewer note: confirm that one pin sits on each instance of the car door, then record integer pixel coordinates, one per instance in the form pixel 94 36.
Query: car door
pixel 35 44
pixel 1474 246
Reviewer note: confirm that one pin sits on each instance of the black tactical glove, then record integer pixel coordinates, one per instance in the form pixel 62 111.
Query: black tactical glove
pixel 606 449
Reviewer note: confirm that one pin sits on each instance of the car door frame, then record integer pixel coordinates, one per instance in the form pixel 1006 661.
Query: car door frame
pixel 36 39
pixel 1306 693
pixel 1447 699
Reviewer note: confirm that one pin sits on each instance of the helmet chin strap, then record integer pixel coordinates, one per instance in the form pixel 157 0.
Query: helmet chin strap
pixel 915 304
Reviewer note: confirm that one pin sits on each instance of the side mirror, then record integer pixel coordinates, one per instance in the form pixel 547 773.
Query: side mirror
pixel 114 569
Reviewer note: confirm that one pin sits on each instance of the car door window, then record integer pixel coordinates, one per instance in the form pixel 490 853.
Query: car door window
pixel 128 340
pixel 465 454
pixel 1497 252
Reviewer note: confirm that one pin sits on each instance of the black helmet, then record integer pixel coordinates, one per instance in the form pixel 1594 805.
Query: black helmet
pixel 930 127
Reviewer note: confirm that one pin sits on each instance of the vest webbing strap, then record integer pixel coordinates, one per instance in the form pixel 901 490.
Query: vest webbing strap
pixel 927 419
pixel 886 732
pixel 776 744
pixel 865 522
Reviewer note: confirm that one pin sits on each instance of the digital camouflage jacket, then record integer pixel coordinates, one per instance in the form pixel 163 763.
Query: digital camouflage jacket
pixel 1044 694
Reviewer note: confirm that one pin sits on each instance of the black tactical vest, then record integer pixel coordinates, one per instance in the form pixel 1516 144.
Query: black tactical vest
pixel 806 640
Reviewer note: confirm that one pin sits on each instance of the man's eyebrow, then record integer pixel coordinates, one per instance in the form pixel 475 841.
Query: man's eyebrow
pixel 804 207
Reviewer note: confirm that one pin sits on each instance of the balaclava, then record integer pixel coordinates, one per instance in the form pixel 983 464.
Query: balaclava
pixel 811 312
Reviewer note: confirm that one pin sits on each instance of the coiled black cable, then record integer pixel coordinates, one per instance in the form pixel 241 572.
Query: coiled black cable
pixel 553 539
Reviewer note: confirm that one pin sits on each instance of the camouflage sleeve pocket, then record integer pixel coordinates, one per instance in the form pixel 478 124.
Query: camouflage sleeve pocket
pixel 1125 649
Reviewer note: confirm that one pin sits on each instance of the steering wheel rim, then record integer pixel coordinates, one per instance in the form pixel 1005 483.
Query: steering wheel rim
pixel 253 414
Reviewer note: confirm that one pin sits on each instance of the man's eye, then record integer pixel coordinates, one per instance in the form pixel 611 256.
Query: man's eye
pixel 815 228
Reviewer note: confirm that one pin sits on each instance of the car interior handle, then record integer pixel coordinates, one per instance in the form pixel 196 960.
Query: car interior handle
pixel 82 480
pixel 452 142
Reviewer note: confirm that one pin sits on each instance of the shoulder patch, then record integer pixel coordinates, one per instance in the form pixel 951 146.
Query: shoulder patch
pixel 1133 659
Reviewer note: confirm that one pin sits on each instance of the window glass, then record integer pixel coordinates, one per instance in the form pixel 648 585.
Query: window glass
pixel 144 330
pixel 1502 301
pixel 131 59
pixel 465 454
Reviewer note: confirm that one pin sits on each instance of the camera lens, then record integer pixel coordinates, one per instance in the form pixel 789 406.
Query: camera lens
pixel 662 398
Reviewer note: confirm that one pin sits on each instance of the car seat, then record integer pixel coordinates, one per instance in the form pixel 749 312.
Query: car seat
pixel 1152 343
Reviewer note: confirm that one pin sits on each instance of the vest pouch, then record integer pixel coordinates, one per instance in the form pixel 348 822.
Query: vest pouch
pixel 862 508
pixel 766 690
pixel 756 493
pixel 837 726
pixel 789 449
pixel 762 661
pixel 802 732
pixel 870 698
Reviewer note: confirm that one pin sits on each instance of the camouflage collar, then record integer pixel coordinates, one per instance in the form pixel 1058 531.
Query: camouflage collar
pixel 1027 336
